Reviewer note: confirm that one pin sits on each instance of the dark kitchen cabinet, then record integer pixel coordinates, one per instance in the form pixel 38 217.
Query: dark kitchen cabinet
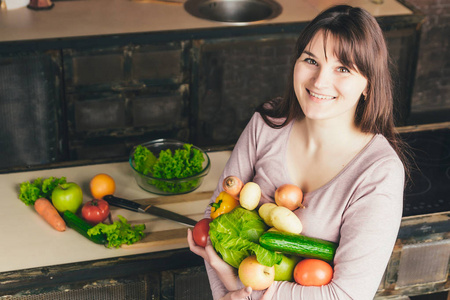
pixel 169 275
pixel 402 46
pixel 127 67
pixel 234 76
pixel 120 96
pixel 185 284
pixel 141 287
pixel 31 108
pixel 102 125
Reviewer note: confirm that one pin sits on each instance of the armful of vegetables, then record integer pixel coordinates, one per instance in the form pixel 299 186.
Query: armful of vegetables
pixel 118 233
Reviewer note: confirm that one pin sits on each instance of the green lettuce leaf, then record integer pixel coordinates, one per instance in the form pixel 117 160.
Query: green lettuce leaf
pixel 143 159
pixel 39 188
pixel 180 164
pixel 235 236
pixel 120 232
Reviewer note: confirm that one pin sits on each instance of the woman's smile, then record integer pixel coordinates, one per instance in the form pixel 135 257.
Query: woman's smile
pixel 316 97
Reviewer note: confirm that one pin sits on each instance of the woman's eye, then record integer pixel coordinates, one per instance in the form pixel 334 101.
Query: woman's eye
pixel 343 70
pixel 311 61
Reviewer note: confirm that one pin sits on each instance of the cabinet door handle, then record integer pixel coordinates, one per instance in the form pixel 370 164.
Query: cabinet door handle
pixel 133 86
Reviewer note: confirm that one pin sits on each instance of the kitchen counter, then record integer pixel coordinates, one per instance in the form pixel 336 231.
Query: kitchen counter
pixel 79 18
pixel 29 242
pixel 35 256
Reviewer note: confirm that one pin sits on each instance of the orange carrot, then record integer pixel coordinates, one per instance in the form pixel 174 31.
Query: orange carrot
pixel 233 186
pixel 50 214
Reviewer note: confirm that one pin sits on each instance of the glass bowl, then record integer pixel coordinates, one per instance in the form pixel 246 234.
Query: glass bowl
pixel 174 186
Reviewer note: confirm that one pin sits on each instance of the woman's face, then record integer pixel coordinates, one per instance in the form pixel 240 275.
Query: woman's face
pixel 325 88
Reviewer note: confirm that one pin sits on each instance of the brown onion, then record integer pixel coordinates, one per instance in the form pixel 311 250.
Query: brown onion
pixel 289 196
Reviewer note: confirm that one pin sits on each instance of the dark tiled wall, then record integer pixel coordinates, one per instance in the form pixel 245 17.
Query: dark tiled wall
pixel 432 83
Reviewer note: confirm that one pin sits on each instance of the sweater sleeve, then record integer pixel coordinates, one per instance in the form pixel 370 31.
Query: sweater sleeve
pixel 368 232
pixel 241 164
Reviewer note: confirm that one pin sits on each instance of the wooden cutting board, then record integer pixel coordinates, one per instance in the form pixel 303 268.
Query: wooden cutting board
pixel 162 236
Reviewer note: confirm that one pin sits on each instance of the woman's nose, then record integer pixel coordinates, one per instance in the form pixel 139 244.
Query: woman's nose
pixel 321 78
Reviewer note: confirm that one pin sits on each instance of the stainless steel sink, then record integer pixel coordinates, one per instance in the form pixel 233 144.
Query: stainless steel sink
pixel 233 11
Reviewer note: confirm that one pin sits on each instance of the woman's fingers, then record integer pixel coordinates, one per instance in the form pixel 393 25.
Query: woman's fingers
pixel 241 294
pixel 200 251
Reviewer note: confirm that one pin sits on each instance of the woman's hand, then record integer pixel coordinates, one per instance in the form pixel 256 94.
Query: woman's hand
pixel 226 273
pixel 244 294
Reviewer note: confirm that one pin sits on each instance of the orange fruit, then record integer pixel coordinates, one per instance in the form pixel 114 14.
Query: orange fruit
pixel 102 185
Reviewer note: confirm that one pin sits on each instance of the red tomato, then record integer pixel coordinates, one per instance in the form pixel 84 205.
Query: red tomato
pixel 313 272
pixel 95 211
pixel 201 232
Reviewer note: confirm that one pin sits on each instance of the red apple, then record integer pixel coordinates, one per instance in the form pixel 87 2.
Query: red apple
pixel 256 275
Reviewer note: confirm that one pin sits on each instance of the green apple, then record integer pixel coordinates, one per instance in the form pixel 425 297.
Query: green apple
pixel 284 271
pixel 67 196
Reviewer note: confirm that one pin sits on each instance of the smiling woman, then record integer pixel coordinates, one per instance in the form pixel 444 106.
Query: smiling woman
pixel 333 136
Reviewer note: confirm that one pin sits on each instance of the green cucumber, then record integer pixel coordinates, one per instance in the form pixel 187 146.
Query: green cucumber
pixel 300 245
pixel 81 226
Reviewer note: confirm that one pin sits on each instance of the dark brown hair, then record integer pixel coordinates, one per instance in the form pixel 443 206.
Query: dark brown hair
pixel 361 44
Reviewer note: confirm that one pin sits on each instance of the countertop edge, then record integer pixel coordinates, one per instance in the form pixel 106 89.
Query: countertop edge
pixel 131 17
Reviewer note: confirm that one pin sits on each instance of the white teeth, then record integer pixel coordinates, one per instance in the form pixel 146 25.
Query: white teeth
pixel 321 96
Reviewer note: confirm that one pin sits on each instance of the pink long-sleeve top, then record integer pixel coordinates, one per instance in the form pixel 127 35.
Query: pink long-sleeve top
pixel 360 209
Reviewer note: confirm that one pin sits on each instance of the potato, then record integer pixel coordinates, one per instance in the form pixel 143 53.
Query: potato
pixel 285 220
pixel 250 195
pixel 264 212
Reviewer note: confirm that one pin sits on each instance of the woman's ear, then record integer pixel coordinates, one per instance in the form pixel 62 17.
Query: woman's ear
pixel 364 93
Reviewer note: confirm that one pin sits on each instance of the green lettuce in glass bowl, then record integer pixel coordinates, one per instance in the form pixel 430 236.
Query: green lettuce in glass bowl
pixel 169 167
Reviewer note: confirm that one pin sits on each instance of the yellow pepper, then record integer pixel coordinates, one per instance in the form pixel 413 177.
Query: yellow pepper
pixel 224 203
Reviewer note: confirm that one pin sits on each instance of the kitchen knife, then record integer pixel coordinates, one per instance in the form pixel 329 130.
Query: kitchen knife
pixel 149 209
